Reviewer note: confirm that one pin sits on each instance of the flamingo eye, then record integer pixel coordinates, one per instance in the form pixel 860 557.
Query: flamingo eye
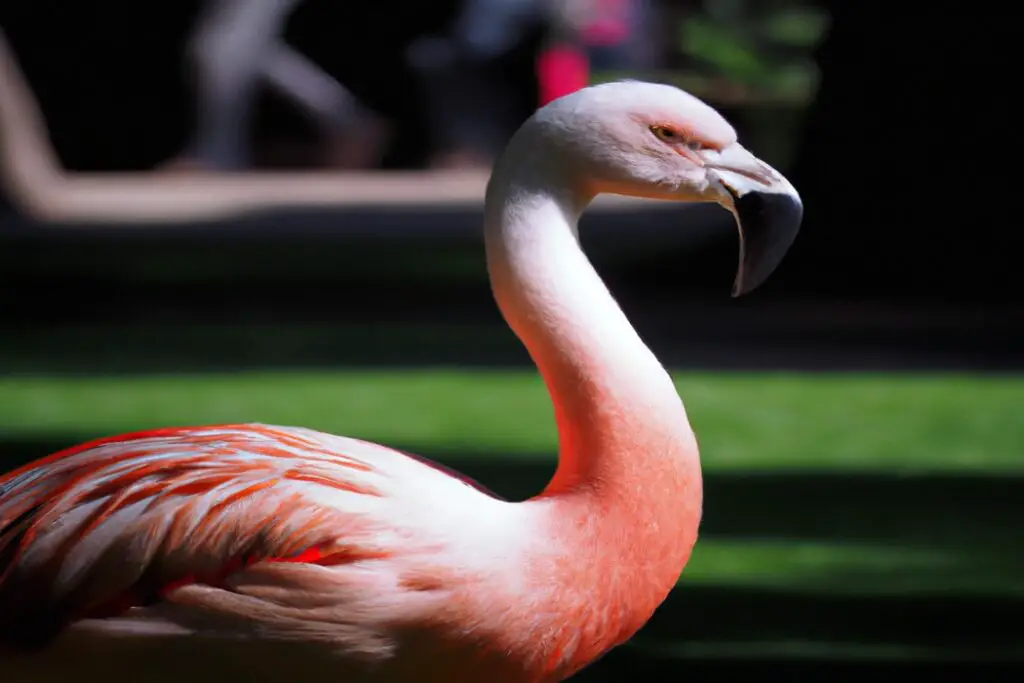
pixel 673 136
pixel 666 134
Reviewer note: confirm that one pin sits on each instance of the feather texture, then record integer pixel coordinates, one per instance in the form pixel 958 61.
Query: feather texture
pixel 119 523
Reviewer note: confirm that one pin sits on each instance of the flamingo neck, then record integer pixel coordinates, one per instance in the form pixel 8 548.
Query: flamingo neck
pixel 622 427
pixel 625 502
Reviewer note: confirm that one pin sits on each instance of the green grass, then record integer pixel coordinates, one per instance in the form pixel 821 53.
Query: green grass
pixel 852 568
pixel 768 421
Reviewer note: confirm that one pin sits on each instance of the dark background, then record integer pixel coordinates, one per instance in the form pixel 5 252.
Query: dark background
pixel 903 157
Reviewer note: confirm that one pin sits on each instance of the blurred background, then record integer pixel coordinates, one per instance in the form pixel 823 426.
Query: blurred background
pixel 242 210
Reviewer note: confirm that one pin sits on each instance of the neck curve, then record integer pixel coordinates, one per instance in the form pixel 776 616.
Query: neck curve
pixel 622 427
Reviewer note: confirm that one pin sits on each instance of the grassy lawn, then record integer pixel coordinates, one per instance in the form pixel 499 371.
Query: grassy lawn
pixel 747 421
pixel 903 428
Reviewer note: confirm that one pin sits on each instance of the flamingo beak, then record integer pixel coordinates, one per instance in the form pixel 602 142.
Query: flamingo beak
pixel 767 208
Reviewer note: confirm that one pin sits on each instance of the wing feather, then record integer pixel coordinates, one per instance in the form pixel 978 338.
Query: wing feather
pixel 115 523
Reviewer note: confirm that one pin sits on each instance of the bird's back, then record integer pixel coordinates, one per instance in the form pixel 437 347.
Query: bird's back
pixel 145 543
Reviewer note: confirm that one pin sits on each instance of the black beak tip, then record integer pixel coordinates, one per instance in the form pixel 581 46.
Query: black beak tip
pixel 768 224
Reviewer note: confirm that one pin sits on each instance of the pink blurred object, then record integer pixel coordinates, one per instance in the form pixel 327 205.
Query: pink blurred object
pixel 561 69
pixel 610 24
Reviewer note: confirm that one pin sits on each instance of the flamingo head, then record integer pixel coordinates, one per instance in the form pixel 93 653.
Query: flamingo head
pixel 656 141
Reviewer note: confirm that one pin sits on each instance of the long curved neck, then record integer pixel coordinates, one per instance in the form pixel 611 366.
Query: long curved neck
pixel 620 420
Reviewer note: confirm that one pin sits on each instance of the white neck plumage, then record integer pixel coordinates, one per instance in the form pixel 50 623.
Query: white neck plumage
pixel 610 392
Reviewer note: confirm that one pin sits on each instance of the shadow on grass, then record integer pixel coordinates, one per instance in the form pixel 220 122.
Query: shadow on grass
pixel 631 664
pixel 970 522
pixel 935 622
pixel 732 339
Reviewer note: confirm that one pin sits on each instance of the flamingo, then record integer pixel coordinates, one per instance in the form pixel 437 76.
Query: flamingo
pixel 253 552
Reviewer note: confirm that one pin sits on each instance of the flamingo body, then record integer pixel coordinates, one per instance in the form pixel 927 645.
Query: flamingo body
pixel 351 554
pixel 259 553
